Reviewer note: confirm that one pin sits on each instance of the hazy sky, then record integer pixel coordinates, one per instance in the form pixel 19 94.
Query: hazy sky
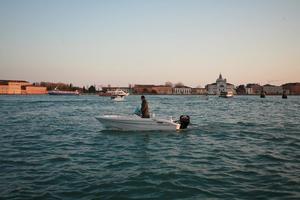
pixel 150 41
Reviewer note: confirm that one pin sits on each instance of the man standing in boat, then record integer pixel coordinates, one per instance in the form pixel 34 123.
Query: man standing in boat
pixel 144 108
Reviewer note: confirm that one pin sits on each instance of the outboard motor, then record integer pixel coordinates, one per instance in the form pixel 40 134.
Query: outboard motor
pixel 184 121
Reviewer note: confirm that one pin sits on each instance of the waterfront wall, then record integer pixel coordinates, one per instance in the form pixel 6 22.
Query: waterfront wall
pixel 16 87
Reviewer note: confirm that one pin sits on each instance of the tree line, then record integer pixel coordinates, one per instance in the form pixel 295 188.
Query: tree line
pixel 67 87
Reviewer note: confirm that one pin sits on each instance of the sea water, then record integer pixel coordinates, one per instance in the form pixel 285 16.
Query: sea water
pixel 52 147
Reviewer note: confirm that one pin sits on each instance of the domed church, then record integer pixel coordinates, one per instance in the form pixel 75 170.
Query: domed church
pixel 219 86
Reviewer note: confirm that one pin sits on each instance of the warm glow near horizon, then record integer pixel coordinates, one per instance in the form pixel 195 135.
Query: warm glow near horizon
pixel 150 42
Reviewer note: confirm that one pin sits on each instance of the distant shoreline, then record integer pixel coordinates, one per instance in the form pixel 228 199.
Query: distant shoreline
pixel 150 95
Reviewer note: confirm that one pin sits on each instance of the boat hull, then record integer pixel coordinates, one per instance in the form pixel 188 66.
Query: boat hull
pixel 135 123
pixel 117 98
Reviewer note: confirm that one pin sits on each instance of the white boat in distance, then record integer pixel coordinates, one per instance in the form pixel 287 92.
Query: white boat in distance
pixel 117 95
pixel 228 94
pixel 117 92
pixel 136 123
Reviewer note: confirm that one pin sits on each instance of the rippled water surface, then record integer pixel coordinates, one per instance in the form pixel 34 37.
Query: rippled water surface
pixel 52 147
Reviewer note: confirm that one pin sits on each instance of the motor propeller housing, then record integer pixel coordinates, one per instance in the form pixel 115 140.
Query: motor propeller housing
pixel 184 121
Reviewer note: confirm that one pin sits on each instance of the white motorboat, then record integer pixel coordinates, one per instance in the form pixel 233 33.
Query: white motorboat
pixel 136 123
pixel 117 92
pixel 113 93
pixel 228 94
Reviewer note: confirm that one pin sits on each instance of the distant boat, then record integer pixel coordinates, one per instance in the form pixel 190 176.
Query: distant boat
pixel 262 94
pixel 117 98
pixel 228 94
pixel 284 95
pixel 60 92
pixel 117 92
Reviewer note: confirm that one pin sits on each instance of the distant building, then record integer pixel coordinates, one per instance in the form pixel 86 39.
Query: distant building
pixel 31 89
pixel 199 91
pixel 221 85
pixel 272 89
pixel 230 88
pixel 143 89
pixel 12 86
pixel 20 87
pixel 240 90
pixel 292 88
pixel 253 89
pixel 152 89
pixel 182 90
pixel 162 89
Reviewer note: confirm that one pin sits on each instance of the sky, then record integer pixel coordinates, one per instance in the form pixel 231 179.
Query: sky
pixel 121 42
